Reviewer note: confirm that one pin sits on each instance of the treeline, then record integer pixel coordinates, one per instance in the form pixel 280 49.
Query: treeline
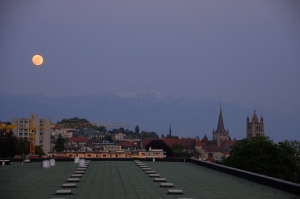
pixel 73 120
pixel 10 146
pixel 261 155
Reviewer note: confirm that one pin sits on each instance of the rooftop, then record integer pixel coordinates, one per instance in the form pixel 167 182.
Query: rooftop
pixel 124 179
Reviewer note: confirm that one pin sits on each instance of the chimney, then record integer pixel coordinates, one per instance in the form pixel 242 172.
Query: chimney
pixel 210 157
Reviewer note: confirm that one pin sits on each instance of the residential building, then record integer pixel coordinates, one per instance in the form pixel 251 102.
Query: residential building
pixel 76 142
pixel 119 136
pixel 42 131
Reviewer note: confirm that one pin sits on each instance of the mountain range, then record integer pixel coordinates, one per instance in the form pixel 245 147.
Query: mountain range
pixel 152 111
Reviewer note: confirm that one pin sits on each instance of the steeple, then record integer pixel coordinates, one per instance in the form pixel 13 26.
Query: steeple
pixel 254 118
pixel 220 122
pixel 170 131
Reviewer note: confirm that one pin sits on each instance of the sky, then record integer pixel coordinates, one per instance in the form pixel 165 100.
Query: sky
pixel 241 52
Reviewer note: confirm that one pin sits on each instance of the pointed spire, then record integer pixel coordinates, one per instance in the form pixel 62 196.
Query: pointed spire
pixel 261 120
pixel 254 118
pixel 220 122
pixel 170 130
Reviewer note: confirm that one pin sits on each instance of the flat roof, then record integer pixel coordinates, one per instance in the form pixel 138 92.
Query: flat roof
pixel 124 179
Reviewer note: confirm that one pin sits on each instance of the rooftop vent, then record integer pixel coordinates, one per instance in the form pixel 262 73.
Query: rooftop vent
pixel 76 160
pixel 46 164
pixel 52 162
pixel 82 162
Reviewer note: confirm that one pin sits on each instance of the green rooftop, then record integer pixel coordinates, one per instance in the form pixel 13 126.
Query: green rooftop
pixel 124 179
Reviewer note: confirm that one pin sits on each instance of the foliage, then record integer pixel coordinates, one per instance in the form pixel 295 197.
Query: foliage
pixel 39 151
pixel 162 135
pixel 24 148
pixel 121 130
pixel 159 144
pixel 73 120
pixel 102 129
pixel 8 145
pixel 60 144
pixel 150 134
pixel 178 150
pixel 261 155
pixel 108 138
pixel 137 130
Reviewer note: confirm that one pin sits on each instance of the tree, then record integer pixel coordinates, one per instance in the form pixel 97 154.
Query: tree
pixel 261 155
pixel 23 146
pixel 137 130
pixel 8 144
pixel 178 150
pixel 162 135
pixel 108 138
pixel 159 144
pixel 39 151
pixel 102 129
pixel 60 144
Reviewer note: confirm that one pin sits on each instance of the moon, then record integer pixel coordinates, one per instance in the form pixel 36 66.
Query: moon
pixel 37 60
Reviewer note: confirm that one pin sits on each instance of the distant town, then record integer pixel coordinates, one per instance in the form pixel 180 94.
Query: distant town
pixel 79 137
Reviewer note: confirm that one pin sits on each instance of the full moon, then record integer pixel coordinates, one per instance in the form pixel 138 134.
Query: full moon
pixel 37 60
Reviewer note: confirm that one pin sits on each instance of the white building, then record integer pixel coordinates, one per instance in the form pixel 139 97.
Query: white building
pixel 119 136
pixel 42 134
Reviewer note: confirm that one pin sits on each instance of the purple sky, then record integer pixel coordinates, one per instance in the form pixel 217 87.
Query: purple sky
pixel 240 52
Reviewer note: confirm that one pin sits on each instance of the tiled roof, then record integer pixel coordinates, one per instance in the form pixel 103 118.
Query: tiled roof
pixel 227 143
pixel 198 143
pixel 216 149
pixel 204 140
pixel 127 144
pixel 188 143
pixel 77 139
pixel 211 143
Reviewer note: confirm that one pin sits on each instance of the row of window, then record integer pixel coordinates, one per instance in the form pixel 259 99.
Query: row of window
pixel 257 128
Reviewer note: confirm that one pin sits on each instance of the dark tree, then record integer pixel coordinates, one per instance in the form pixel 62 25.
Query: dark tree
pixel 137 130
pixel 23 146
pixel 60 144
pixel 159 144
pixel 102 129
pixel 261 155
pixel 178 150
pixel 39 151
pixel 8 144
pixel 108 138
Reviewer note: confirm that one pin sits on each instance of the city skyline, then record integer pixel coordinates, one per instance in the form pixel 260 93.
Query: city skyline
pixel 243 53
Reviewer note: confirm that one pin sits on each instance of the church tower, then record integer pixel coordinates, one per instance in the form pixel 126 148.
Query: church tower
pixel 220 133
pixel 255 127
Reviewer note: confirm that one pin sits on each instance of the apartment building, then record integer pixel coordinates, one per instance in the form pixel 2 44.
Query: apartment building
pixel 42 131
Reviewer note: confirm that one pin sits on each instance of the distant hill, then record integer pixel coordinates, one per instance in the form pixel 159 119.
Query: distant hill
pixel 152 111
pixel 74 120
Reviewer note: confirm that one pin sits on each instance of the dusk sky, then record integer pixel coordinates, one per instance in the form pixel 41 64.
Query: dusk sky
pixel 245 53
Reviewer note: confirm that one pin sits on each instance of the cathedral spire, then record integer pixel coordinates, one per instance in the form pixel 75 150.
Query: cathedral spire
pixel 170 131
pixel 220 122
pixel 254 118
